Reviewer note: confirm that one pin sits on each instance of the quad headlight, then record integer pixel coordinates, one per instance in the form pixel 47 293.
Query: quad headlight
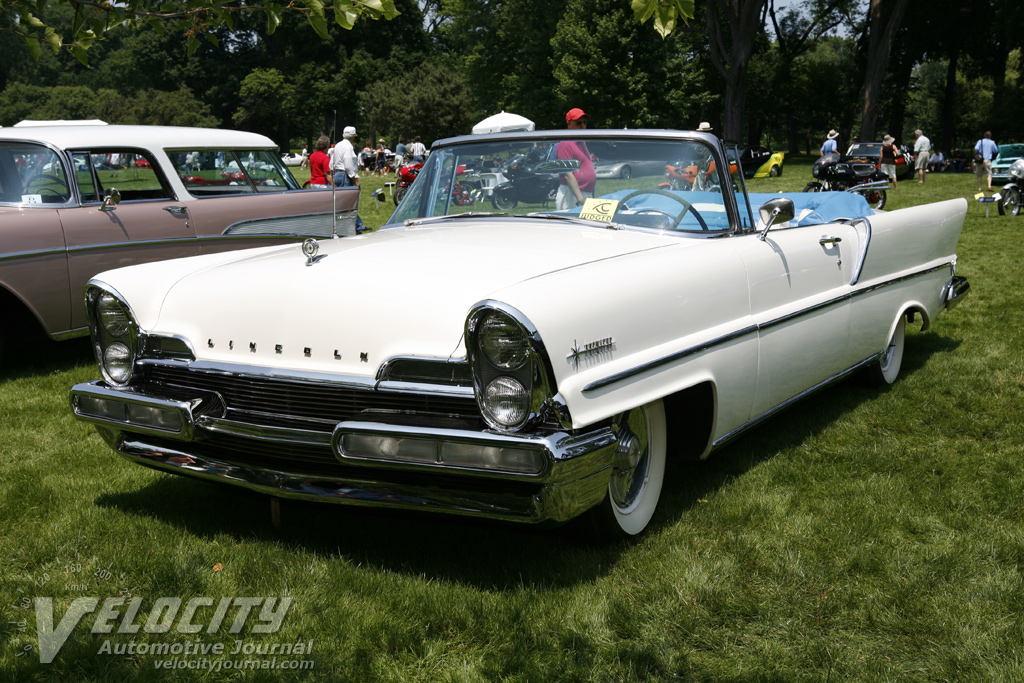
pixel 114 334
pixel 510 373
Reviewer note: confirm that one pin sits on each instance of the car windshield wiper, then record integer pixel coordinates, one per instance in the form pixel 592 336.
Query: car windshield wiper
pixel 607 225
pixel 453 216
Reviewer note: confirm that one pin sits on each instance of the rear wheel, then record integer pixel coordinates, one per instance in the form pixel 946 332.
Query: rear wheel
pixel 888 367
pixel 876 199
pixel 1009 203
pixel 775 171
pixel 503 202
pixel 637 473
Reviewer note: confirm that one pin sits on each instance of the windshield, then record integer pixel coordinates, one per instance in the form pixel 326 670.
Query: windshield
pixel 654 183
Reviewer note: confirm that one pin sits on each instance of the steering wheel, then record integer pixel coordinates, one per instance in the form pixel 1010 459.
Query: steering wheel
pixel 687 207
pixel 44 178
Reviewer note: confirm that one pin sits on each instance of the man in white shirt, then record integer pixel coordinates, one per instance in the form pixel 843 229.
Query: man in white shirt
pixel 346 166
pixel 343 160
pixel 921 148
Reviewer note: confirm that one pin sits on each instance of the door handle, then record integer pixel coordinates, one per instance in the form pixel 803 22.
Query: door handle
pixel 175 209
pixel 830 240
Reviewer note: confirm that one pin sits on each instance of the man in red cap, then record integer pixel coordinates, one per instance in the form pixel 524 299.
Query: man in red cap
pixel 575 187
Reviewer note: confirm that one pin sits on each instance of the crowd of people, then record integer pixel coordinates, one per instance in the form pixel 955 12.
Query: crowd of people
pixel 928 159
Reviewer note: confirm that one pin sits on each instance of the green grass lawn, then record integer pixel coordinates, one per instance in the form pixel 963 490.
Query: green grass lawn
pixel 864 535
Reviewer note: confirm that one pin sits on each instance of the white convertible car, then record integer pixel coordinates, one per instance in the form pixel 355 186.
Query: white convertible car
pixel 529 366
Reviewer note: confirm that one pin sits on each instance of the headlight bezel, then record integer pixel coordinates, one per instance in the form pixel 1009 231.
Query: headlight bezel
pixel 105 335
pixel 534 373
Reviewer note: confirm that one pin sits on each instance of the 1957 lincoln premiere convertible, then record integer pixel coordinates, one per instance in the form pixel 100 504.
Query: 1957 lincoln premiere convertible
pixel 530 364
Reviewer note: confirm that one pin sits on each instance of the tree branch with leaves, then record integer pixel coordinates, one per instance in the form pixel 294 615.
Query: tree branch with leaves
pixel 93 18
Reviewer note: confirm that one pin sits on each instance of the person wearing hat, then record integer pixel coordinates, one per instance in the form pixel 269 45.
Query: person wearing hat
pixel 346 165
pixel 574 188
pixel 887 158
pixel 344 162
pixel 830 146
pixel 704 127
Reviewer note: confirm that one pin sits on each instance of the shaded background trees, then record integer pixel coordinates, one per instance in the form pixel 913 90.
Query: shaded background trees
pixel 780 76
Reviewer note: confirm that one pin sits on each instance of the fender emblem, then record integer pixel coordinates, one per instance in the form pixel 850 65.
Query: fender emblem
pixel 589 350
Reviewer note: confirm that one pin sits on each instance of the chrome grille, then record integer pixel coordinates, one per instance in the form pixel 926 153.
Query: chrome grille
pixel 308 402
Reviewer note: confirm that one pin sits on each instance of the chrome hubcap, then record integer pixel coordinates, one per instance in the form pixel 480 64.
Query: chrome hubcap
pixel 630 468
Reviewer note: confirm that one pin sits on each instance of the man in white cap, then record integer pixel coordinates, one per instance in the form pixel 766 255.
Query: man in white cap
pixel 343 160
pixel 346 167
pixel 830 146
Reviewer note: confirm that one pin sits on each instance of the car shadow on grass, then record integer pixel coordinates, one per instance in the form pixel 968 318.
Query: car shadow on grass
pixel 39 355
pixel 484 554
pixel 688 483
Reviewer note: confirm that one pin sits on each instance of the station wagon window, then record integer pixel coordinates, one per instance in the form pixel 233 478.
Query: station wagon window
pixel 215 172
pixel 32 174
pixel 132 172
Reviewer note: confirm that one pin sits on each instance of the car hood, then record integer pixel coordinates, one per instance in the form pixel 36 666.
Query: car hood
pixel 402 291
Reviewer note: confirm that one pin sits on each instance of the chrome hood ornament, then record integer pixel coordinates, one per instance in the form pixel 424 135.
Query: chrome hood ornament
pixel 310 247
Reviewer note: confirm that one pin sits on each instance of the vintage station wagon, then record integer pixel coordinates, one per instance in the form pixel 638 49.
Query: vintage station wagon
pixel 77 199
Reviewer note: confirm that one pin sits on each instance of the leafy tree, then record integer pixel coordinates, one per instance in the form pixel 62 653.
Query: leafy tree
pixel 267 102
pixel 623 74
pixel 28 19
pixel 431 101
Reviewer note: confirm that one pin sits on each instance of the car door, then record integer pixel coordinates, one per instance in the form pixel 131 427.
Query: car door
pixel 33 260
pixel 149 223
pixel 799 297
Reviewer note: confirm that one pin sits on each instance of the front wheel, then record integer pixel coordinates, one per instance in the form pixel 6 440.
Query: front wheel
pixel 1009 203
pixel 775 171
pixel 638 471
pixel 399 193
pixel 813 187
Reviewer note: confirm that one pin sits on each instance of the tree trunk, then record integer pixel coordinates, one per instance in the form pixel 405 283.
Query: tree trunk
pixel 744 20
pixel 884 17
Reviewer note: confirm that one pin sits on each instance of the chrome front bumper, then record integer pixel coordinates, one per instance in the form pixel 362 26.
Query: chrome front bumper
pixel 165 433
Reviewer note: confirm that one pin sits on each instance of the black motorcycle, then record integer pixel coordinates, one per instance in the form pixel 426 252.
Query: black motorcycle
pixel 833 173
pixel 1009 196
pixel 530 180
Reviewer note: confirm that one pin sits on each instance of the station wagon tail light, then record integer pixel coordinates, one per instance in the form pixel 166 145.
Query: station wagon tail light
pixel 510 371
pixel 114 334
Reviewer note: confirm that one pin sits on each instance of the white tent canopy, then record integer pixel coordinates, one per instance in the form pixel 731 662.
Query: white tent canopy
pixel 502 123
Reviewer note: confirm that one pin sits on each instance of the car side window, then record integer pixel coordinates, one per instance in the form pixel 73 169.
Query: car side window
pixel 132 172
pixel 32 174
pixel 214 172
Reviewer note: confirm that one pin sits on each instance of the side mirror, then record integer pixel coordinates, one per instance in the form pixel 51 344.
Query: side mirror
pixel 111 198
pixel 780 210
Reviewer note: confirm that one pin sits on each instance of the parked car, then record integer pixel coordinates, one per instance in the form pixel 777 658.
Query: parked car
pixel 79 199
pixel 292 159
pixel 1001 164
pixel 758 162
pixel 530 366
pixel 871 152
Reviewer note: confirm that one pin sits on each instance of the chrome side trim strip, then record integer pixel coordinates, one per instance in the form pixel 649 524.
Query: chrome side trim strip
pixel 718 341
pixel 787 403
pixel 671 358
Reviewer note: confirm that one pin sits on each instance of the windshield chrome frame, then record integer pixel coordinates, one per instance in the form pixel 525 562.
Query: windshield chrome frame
pixel 729 200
